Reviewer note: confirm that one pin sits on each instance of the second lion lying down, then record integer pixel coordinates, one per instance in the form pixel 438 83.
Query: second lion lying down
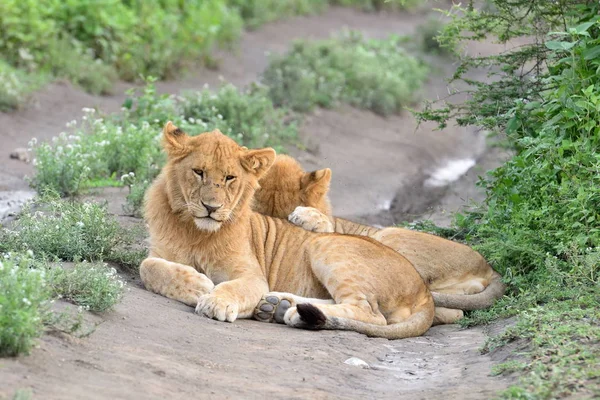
pixel 203 232
pixel 458 276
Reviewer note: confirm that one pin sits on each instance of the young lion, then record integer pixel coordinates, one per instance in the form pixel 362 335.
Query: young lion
pixel 458 276
pixel 199 217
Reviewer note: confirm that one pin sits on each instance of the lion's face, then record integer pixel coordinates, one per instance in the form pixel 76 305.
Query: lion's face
pixel 286 186
pixel 212 178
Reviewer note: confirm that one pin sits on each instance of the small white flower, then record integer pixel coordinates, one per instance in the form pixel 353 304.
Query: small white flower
pixel 80 224
pixel 26 301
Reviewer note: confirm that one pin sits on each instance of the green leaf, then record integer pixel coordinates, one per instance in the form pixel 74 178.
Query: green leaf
pixel 583 28
pixel 556 45
pixel 591 53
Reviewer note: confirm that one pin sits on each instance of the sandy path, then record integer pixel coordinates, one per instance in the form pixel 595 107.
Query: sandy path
pixel 151 347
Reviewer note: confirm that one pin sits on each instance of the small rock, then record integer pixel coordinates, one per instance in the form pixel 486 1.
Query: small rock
pixel 357 362
pixel 20 154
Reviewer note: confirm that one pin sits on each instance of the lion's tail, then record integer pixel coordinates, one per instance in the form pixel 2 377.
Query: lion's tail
pixel 478 301
pixel 416 325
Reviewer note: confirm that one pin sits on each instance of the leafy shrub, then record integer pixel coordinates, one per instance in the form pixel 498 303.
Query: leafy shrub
pixel 95 287
pixel 15 85
pixel 23 302
pixel 539 223
pixel 257 12
pixel 248 116
pixel 64 230
pixel 87 41
pixel 348 69
pixel 427 34
pixel 78 65
pixel 370 5
pixel 99 150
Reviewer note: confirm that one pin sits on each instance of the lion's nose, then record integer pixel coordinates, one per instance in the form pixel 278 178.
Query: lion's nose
pixel 210 209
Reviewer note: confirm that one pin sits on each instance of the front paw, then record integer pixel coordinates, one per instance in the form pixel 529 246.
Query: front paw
pixel 216 307
pixel 310 219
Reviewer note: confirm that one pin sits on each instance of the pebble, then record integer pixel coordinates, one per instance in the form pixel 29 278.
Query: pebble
pixel 20 154
pixel 357 362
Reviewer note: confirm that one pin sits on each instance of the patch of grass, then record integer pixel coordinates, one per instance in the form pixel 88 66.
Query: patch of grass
pixel 257 12
pixel 564 355
pixel 22 394
pixel 372 5
pixel 63 229
pixel 538 226
pixel 78 65
pixel 16 85
pixel 91 42
pixel 348 69
pixel 427 34
pixel 99 150
pixel 23 305
pixel 94 286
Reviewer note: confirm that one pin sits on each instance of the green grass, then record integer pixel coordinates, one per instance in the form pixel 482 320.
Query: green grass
pixel 94 43
pixel 373 5
pixel 64 230
pixel 94 286
pixel 98 150
pixel 564 354
pixel 258 12
pixel 348 69
pixel 16 86
pixel 23 304
pixel 538 226
pixel 46 232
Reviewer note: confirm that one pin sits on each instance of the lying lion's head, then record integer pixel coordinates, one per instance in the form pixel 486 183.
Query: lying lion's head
pixel 210 178
pixel 286 186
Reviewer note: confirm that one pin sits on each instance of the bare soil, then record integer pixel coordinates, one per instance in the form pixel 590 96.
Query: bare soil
pixel 152 347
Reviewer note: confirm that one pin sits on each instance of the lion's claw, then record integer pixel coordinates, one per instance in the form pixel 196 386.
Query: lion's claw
pixel 212 306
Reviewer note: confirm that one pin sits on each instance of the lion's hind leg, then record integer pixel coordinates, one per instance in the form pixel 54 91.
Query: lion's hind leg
pixel 273 305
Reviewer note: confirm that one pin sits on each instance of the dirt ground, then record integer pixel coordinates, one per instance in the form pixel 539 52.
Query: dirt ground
pixel 152 347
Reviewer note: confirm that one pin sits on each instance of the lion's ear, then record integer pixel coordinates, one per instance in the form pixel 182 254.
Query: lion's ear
pixel 258 161
pixel 174 140
pixel 316 182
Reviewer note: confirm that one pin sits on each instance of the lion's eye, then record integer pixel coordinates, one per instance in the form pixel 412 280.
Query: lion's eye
pixel 198 172
pixel 229 177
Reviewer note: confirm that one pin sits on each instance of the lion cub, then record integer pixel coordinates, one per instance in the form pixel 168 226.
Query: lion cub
pixel 458 276
pixel 203 231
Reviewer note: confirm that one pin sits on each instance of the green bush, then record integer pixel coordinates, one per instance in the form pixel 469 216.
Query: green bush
pixel 16 85
pixel 257 12
pixel 23 303
pixel 63 230
pixel 89 42
pixel 349 69
pixel 539 223
pixel 371 5
pixel 98 150
pixel 95 287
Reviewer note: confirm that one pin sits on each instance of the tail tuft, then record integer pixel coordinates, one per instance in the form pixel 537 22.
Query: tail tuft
pixel 311 316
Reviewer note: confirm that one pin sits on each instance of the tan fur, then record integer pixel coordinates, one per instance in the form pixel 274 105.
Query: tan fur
pixel 458 276
pixel 202 230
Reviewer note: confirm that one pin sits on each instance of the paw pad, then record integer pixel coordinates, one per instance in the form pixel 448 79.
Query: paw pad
pixel 271 309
